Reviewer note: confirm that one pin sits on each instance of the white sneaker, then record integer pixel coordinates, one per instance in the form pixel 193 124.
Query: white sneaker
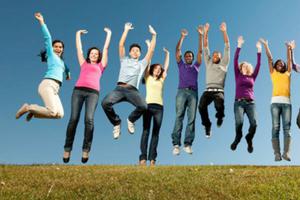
pixel 176 150
pixel 130 127
pixel 117 131
pixel 188 149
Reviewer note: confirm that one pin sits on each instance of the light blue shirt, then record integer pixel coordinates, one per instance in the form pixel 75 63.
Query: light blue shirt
pixel 132 71
pixel 56 66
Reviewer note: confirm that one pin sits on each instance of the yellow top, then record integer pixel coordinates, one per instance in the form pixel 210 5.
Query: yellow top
pixel 154 90
pixel 281 83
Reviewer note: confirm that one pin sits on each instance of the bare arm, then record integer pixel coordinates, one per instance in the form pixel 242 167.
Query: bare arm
pixel 295 66
pixel 105 47
pixel 150 51
pixel 166 63
pixel 128 26
pixel 289 57
pixel 149 63
pixel 223 28
pixel 184 33
pixel 268 52
pixel 200 48
pixel 205 41
pixel 80 56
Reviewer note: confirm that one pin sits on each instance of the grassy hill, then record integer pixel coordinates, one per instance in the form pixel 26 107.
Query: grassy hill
pixel 160 182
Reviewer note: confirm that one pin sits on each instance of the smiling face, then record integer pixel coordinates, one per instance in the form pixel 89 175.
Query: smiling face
pixel 246 68
pixel 157 71
pixel 188 57
pixel 94 56
pixel 216 57
pixel 280 66
pixel 58 48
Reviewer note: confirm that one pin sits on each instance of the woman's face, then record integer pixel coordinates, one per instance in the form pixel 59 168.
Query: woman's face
pixel 58 48
pixel 157 71
pixel 244 69
pixel 280 66
pixel 94 55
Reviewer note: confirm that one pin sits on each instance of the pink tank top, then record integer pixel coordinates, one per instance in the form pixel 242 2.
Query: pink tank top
pixel 90 75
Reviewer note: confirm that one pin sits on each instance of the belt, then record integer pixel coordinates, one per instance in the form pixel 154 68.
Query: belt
pixel 214 90
pixel 188 88
pixel 245 99
pixel 126 85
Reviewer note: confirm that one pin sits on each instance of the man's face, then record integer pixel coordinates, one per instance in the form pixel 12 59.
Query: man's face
pixel 216 57
pixel 135 53
pixel 188 58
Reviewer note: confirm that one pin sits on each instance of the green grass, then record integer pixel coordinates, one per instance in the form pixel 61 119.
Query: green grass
pixel 160 182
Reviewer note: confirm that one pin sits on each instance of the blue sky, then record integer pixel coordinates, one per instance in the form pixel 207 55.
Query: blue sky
pixel 41 141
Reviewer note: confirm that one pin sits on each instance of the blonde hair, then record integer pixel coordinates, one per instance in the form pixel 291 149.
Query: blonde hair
pixel 249 68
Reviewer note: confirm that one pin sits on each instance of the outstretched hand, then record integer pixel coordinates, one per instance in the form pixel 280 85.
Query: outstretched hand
pixel 240 41
pixel 39 17
pixel 200 29
pixel 258 46
pixel 82 32
pixel 206 27
pixel 166 50
pixel 223 27
pixel 184 32
pixel 107 30
pixel 128 26
pixel 151 30
pixel 264 41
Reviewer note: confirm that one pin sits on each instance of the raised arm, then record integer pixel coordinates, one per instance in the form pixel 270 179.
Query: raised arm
pixel 166 63
pixel 80 55
pixel 295 66
pixel 257 67
pixel 226 57
pixel 149 63
pixel 128 26
pixel 183 34
pixel 268 52
pixel 200 48
pixel 236 55
pixel 105 47
pixel 205 44
pixel 150 51
pixel 289 57
pixel 46 33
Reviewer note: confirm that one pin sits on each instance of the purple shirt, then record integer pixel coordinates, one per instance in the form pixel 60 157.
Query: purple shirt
pixel 188 75
pixel 244 83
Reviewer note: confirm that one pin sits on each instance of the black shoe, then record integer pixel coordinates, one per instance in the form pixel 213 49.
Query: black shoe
pixel 84 160
pixel 235 142
pixel 249 142
pixel 66 160
pixel 219 122
pixel 207 132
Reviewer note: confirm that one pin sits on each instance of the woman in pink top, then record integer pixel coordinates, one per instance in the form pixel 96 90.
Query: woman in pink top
pixel 86 91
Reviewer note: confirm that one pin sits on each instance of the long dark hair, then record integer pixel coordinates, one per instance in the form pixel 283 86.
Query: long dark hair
pixel 88 54
pixel 284 65
pixel 152 67
pixel 43 53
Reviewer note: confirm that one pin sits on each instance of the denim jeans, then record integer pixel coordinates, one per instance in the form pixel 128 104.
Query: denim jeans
pixel 206 99
pixel 241 108
pixel 285 111
pixel 154 111
pixel 90 98
pixel 186 99
pixel 119 94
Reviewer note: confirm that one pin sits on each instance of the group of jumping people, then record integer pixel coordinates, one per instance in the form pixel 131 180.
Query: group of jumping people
pixel 133 70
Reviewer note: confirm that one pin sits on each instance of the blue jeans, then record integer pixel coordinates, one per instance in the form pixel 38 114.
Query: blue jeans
pixel 119 94
pixel 285 111
pixel 156 112
pixel 90 98
pixel 186 99
pixel 241 108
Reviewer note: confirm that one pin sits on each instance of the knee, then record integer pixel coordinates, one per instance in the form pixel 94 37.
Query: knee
pixel 253 124
pixel 105 103
pixel 142 107
pixel 89 121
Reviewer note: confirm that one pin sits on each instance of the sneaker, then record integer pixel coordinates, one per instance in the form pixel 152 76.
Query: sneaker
pixel 188 149
pixel 66 157
pixel 286 157
pixel 219 122
pixel 249 142
pixel 130 127
pixel 143 163
pixel 152 163
pixel 117 131
pixel 29 116
pixel 176 150
pixel 207 132
pixel 22 110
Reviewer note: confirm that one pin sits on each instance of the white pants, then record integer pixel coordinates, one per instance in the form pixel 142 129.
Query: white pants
pixel 48 90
